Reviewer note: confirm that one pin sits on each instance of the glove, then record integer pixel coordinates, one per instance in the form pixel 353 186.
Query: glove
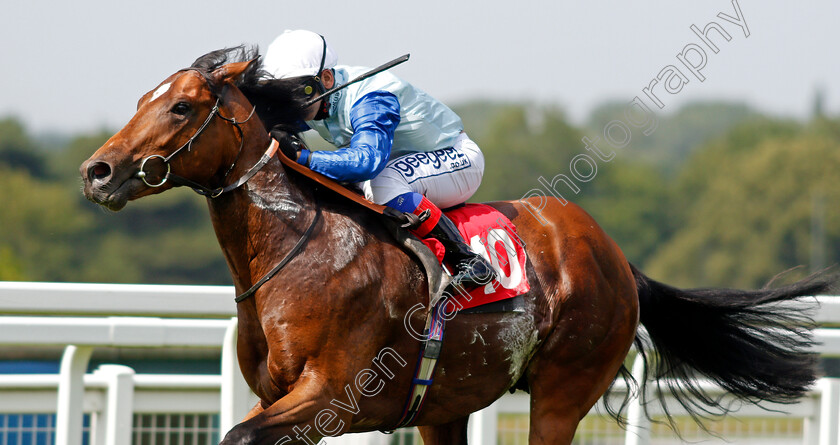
pixel 290 144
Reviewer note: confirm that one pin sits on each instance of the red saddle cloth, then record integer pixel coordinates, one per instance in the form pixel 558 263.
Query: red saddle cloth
pixel 491 235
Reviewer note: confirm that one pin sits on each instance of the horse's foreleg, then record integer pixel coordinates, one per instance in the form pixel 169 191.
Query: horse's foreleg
pixel 452 433
pixel 302 416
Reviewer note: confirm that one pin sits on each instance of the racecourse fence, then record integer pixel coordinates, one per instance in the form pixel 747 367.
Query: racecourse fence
pixel 116 405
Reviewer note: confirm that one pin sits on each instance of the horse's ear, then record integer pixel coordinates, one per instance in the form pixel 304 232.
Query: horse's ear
pixel 231 72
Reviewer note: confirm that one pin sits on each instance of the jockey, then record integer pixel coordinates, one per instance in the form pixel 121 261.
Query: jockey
pixel 404 148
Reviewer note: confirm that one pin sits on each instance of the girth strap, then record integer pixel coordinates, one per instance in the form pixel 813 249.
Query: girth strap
pixel 426 364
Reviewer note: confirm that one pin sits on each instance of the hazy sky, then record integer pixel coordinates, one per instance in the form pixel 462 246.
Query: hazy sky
pixel 82 65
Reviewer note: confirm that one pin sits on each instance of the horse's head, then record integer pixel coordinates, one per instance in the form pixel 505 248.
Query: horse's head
pixel 187 126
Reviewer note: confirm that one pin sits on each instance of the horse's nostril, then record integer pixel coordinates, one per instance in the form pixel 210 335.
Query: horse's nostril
pixel 99 171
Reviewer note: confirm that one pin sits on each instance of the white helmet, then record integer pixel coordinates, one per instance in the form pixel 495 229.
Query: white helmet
pixel 298 53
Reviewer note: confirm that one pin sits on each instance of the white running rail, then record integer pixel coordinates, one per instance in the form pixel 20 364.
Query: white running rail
pixel 83 317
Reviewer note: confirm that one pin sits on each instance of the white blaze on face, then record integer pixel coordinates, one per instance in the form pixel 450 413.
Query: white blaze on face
pixel 159 92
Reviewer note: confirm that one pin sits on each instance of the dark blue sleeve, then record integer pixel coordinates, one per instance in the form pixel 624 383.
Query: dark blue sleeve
pixel 374 119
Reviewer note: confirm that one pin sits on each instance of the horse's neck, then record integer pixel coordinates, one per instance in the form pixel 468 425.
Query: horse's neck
pixel 260 222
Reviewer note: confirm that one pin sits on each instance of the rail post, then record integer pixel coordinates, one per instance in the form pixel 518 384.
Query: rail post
pixel 117 419
pixel 483 425
pixel 234 390
pixel 829 411
pixel 71 391
pixel 638 425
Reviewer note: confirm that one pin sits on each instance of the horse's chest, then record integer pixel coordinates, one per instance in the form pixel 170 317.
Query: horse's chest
pixel 286 358
pixel 274 349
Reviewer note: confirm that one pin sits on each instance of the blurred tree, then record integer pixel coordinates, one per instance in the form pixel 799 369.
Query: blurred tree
pixel 740 210
pixel 164 238
pixel 64 165
pixel 38 225
pixel 51 233
pixel 478 116
pixel 748 203
pixel 633 204
pixel 10 267
pixel 818 104
pixel 522 144
pixel 17 151
pixel 694 178
pixel 677 134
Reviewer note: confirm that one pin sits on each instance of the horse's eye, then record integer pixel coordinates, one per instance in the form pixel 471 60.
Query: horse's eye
pixel 181 108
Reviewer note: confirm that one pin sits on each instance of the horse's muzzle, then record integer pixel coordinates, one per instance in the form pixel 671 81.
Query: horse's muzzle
pixel 102 187
pixel 97 172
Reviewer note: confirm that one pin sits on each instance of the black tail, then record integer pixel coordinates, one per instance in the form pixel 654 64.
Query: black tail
pixel 745 341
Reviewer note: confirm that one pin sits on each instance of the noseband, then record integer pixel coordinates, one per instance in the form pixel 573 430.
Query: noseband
pixel 198 188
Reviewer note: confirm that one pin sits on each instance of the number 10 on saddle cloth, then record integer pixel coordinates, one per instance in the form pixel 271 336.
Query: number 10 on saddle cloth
pixel 492 235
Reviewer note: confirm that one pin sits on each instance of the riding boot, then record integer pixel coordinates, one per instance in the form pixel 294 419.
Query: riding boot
pixel 471 269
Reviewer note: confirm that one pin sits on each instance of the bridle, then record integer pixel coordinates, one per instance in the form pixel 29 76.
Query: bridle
pixel 269 153
pixel 214 193
pixel 142 174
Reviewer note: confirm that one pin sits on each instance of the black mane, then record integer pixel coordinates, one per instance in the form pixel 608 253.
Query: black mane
pixel 279 102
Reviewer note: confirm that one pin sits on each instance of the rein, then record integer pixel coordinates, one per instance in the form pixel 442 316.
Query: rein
pixel 214 193
pixel 292 253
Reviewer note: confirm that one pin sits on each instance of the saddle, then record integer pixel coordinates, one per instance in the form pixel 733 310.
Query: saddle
pixel 479 224
pixel 472 220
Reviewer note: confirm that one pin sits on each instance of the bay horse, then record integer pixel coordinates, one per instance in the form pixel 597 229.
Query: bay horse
pixel 324 344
